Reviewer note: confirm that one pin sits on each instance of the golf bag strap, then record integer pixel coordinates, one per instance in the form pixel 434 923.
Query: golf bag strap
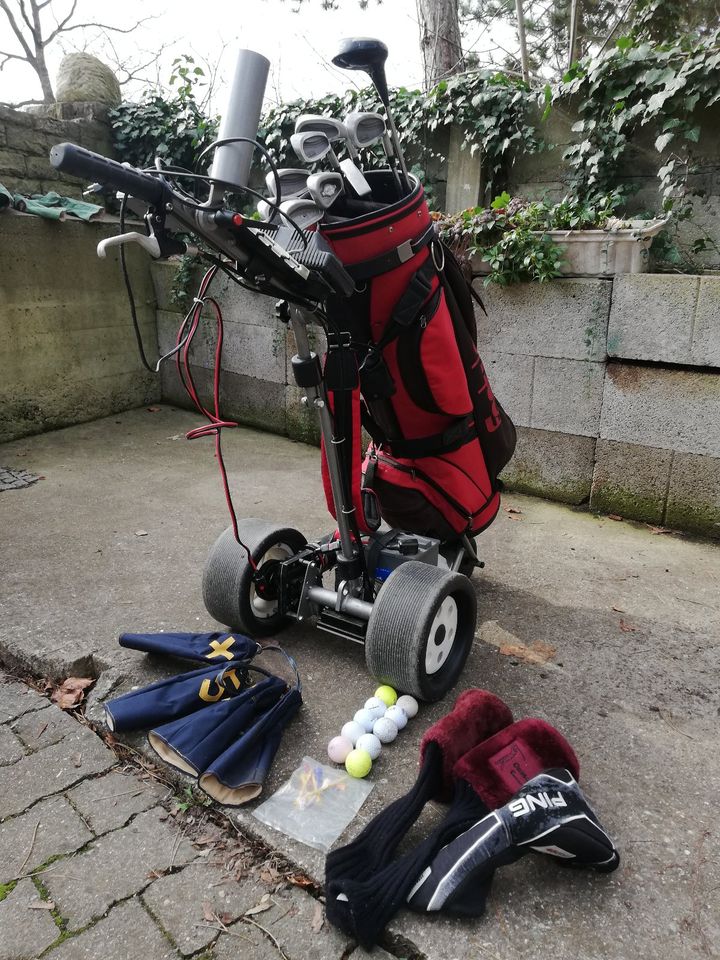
pixel 455 436
pixel 367 269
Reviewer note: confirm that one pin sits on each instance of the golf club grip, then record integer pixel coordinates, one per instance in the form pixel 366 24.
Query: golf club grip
pixel 82 163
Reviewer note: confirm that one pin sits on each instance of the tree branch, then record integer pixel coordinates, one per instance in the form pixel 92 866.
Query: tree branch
pixel 23 103
pixel 61 25
pixel 16 29
pixel 97 26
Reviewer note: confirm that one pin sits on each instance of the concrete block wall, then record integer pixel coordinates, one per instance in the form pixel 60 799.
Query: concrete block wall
pixel 67 347
pixel 257 384
pixel 615 389
pixel 25 142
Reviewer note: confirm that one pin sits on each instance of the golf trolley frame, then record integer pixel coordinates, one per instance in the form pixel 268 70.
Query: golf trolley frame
pixel 406 597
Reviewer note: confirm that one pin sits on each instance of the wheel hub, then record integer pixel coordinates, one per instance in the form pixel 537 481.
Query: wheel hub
pixel 264 589
pixel 441 636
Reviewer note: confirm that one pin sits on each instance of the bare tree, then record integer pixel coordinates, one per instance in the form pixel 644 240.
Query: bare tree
pixel 36 24
pixel 440 40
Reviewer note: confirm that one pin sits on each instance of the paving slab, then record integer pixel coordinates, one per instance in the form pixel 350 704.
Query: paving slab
pixel 26 931
pixel 126 933
pixel 42 728
pixel 11 747
pixel 115 867
pixel 79 754
pixel 108 802
pixel 178 903
pixel 631 619
pixel 17 699
pixel 50 828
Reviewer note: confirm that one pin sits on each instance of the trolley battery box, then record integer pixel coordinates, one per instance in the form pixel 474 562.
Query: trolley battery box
pixel 406 546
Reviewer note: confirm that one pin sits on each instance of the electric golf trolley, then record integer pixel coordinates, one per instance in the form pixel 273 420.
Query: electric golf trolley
pixel 357 253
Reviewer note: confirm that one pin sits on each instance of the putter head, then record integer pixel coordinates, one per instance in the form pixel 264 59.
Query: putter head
pixel 305 213
pixel 325 188
pixel 310 146
pixel 365 129
pixel 293 182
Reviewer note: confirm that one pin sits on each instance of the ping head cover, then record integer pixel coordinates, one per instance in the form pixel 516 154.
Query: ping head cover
pixel 476 715
pixel 502 764
pixel 549 815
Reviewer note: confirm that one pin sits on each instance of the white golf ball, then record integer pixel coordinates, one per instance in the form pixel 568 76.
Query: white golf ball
pixel 408 704
pixel 369 742
pixel 385 730
pixel 397 715
pixel 376 707
pixel 353 731
pixel 338 749
pixel 365 719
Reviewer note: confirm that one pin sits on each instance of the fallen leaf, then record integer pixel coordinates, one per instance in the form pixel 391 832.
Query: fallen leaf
pixel 155 874
pixel 70 692
pixel 42 905
pixel 77 760
pixel 536 652
pixel 153 409
pixel 141 533
pixel 509 509
pixel 258 908
pixel 627 627
pixel 618 610
pixel 299 880
pixel 614 516
pixel 208 912
pixel 514 518
pixel 225 918
pixel 318 919
pixel 658 529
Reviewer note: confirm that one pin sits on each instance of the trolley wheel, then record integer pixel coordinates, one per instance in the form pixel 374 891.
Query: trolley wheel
pixel 421 629
pixel 228 589
pixel 449 550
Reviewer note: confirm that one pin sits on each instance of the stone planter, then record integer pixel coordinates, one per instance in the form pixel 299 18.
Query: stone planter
pixel 600 253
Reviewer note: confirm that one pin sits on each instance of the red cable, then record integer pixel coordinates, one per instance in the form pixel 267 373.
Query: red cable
pixel 215 423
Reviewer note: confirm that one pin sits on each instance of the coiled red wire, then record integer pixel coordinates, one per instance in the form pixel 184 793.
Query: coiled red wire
pixel 215 423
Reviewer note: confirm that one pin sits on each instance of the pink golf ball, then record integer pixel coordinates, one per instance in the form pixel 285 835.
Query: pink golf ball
pixel 385 730
pixel 338 749
pixel 397 715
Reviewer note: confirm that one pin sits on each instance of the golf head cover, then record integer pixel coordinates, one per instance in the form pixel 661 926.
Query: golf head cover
pixel 549 815
pixel 216 647
pixel 475 716
pixel 500 765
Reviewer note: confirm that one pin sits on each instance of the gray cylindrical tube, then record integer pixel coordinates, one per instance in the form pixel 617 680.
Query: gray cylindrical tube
pixel 241 118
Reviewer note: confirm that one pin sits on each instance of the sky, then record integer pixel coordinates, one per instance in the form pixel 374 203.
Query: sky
pixel 299 45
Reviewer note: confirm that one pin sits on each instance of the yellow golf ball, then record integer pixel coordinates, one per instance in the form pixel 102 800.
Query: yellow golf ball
pixel 386 694
pixel 358 763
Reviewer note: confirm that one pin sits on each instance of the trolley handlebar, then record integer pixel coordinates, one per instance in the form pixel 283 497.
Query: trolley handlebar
pixel 82 163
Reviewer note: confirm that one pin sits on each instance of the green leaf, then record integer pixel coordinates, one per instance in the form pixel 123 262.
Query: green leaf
pixel 663 141
pixel 693 134
pixel 624 43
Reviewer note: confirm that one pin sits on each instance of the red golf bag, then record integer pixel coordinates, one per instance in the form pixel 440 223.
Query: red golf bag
pixel 402 363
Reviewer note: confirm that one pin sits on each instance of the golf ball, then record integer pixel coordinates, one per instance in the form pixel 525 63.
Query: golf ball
pixel 386 694
pixel 366 719
pixel 370 743
pixel 376 707
pixel 352 731
pixel 408 704
pixel 358 763
pixel 397 715
pixel 338 749
pixel 385 730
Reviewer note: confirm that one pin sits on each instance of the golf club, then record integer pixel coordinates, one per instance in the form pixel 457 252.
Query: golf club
pixel 364 53
pixel 305 213
pixel 311 146
pixel 332 128
pixel 293 182
pixel 325 188
pixel 365 129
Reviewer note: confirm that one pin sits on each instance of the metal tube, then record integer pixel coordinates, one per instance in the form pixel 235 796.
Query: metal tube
pixel 329 598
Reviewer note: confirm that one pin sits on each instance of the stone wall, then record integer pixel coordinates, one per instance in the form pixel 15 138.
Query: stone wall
pixel 67 347
pixel 25 142
pixel 614 386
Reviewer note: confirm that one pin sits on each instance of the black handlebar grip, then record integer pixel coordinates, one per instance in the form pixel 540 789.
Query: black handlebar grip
pixel 82 163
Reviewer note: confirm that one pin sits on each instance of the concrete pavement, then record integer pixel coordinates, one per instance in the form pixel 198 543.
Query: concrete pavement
pixel 114 537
